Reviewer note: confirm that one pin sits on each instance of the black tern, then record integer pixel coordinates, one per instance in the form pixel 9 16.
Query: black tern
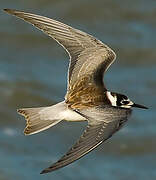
pixel 87 98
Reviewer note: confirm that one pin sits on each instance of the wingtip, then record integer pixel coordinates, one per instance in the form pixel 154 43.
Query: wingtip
pixel 10 11
pixel 42 172
pixel 45 171
pixel 7 10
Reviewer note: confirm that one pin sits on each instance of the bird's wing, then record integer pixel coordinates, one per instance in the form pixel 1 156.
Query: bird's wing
pixel 102 124
pixel 89 57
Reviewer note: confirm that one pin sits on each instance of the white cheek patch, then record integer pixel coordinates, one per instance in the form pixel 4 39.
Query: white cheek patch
pixel 111 98
pixel 130 102
pixel 129 105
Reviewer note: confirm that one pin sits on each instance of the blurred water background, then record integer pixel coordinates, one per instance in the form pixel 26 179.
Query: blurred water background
pixel 33 71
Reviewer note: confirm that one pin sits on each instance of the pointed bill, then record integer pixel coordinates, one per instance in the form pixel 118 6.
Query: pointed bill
pixel 139 106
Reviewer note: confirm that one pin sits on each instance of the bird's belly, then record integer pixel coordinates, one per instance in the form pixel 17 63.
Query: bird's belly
pixel 70 115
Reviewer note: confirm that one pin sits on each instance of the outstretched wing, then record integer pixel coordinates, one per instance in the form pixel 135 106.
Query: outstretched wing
pixel 102 124
pixel 89 57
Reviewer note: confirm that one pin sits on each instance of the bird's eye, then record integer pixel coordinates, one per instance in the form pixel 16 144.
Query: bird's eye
pixel 125 102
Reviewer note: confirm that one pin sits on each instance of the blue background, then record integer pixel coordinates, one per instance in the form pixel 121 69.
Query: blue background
pixel 33 71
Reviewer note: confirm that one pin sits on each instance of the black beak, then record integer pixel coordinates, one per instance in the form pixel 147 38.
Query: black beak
pixel 139 106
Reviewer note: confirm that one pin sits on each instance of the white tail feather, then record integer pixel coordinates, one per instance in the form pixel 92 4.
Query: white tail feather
pixel 42 118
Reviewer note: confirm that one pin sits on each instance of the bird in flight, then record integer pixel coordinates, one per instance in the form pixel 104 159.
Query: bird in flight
pixel 87 98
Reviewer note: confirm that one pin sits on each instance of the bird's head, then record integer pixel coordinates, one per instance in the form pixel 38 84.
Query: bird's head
pixel 121 100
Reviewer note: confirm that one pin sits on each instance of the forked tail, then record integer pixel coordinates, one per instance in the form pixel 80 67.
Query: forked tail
pixel 42 118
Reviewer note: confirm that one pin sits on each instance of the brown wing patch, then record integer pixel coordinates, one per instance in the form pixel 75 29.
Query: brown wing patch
pixel 85 94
